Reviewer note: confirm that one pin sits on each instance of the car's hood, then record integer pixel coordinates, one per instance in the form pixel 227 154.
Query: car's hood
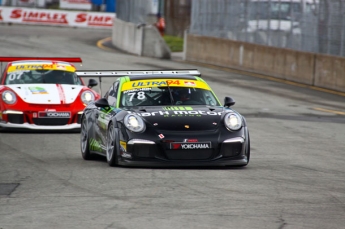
pixel 177 118
pixel 47 93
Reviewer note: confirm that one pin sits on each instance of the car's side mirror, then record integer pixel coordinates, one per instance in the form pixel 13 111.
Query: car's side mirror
pixel 92 83
pixel 102 103
pixel 228 102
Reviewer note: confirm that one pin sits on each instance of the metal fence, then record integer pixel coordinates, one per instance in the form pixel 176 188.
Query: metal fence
pixel 307 25
pixel 137 11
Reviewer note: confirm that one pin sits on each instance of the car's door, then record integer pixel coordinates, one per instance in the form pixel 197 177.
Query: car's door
pixel 104 114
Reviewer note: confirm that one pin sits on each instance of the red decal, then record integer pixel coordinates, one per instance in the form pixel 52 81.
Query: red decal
pixel 81 17
pixel 0 16
pixel 177 82
pixel 16 13
pixel 43 17
pixel 94 20
pixel 161 136
pixel 176 146
pixel 61 93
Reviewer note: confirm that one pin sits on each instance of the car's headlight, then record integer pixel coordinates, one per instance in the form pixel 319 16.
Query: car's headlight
pixel 134 123
pixel 233 121
pixel 87 96
pixel 9 97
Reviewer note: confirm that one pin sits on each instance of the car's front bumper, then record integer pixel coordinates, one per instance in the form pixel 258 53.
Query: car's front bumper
pixel 29 120
pixel 238 161
pixel 8 125
pixel 142 152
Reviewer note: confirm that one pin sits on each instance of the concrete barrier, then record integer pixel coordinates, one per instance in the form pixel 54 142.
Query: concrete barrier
pixel 302 67
pixel 141 40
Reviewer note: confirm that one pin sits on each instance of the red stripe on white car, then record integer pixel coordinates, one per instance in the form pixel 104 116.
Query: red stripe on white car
pixel 61 93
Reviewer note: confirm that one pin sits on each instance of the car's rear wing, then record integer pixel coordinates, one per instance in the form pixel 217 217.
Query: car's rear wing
pixel 65 59
pixel 19 58
pixel 118 73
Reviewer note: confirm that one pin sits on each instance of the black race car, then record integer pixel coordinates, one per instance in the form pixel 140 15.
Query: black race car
pixel 163 118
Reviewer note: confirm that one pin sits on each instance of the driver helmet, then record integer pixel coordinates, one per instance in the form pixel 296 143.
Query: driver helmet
pixel 184 94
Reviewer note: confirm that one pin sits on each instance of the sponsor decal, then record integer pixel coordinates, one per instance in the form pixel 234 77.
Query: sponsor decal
pixel 40 16
pixel 155 83
pixel 123 145
pixel 0 115
pixel 38 90
pixel 189 83
pixel 94 20
pixel 163 83
pixel 161 136
pixel 190 146
pixel 23 67
pixel 52 114
pixel 179 113
pixel 0 15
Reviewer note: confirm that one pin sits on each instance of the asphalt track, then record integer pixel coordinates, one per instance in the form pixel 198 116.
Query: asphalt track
pixel 295 178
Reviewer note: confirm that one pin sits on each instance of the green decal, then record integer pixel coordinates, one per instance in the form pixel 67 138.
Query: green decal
pixel 94 145
pixel 173 108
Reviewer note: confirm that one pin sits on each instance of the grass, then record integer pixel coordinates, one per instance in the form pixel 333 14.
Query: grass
pixel 175 43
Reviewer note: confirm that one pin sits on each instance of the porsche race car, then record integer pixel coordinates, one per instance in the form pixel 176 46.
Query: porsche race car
pixel 43 93
pixel 163 118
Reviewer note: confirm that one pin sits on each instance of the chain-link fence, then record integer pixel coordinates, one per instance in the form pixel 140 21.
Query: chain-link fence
pixel 137 12
pixel 306 25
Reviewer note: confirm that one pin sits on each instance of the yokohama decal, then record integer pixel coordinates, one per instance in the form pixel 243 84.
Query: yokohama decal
pixel 39 16
pixel 48 114
pixel 184 145
pixel 61 93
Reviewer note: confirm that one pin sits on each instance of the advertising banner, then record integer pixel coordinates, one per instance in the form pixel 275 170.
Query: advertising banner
pixel 56 17
pixel 75 4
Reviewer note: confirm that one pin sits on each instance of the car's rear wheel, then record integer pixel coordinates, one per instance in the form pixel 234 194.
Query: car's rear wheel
pixel 112 146
pixel 84 140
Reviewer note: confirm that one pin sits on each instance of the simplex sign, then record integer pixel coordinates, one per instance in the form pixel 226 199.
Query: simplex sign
pixel 56 17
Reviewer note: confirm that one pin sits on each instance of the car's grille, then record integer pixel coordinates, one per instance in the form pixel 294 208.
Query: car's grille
pixel 201 154
pixel 15 118
pixel 231 149
pixel 144 150
pixel 50 121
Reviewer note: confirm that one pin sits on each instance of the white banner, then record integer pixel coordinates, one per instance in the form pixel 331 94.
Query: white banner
pixel 75 4
pixel 56 17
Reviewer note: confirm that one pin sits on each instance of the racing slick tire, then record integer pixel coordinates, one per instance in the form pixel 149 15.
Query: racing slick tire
pixel 84 140
pixel 113 148
pixel 248 149
pixel 247 152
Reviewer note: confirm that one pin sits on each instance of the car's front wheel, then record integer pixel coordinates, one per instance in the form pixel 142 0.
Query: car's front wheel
pixel 84 140
pixel 112 146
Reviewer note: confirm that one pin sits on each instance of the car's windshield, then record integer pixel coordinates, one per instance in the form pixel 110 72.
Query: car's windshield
pixel 156 96
pixel 42 76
